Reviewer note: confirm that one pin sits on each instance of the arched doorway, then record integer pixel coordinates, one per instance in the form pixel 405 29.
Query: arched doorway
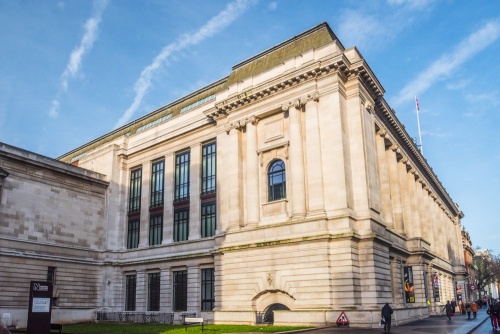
pixel 269 315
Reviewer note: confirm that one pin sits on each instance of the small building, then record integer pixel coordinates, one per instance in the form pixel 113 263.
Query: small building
pixel 286 192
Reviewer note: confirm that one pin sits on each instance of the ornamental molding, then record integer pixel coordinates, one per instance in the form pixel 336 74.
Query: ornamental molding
pixel 337 65
pixel 241 124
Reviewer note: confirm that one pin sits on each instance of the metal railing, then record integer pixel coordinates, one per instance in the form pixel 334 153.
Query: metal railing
pixel 132 316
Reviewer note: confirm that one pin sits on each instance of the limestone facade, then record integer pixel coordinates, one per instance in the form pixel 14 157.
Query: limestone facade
pixel 322 202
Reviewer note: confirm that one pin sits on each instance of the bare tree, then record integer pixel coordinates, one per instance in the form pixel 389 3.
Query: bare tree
pixel 487 269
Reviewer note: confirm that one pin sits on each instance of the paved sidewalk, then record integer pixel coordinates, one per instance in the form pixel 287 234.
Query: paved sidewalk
pixel 459 324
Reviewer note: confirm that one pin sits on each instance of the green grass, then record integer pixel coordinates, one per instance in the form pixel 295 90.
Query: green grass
pixel 136 328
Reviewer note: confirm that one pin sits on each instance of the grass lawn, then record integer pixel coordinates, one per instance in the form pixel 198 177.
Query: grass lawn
pixel 136 328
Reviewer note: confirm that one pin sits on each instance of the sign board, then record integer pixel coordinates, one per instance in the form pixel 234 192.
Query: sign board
pixel 435 280
pixel 408 285
pixel 342 319
pixel 40 307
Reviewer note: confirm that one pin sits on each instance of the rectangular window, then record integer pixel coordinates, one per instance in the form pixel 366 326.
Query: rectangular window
pixel 51 275
pixel 181 225
pixel 155 230
pixel 180 290
pixel 130 289
pixel 208 168
pixel 154 292
pixel 157 174
pixel 182 161
pixel 133 234
pixel 207 289
pixel 134 204
pixel 208 216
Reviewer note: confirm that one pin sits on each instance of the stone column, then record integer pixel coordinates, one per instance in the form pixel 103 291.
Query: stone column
pixel 252 172
pixel 229 150
pixel 145 201
pixel 296 166
pixel 168 197
pixel 141 291
pixel 193 288
pixel 414 202
pixel 315 188
pixel 405 197
pixel 397 205
pixel 385 183
pixel 194 193
pixel 165 290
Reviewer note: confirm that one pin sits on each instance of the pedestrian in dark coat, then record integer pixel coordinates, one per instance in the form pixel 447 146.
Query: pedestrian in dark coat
pixel 448 309
pixel 386 314
pixel 467 309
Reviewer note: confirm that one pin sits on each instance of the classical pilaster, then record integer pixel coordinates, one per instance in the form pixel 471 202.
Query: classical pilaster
pixel 405 197
pixel 168 198
pixel 193 288
pixel 415 204
pixel 315 182
pixel 194 200
pixel 145 201
pixel 396 201
pixel 385 183
pixel 165 290
pixel 141 290
pixel 297 173
pixel 331 114
pixel 230 148
pixel 252 172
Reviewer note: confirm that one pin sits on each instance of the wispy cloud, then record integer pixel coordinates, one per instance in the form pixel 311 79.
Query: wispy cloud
pixel 217 23
pixel 370 29
pixel 75 59
pixel 450 62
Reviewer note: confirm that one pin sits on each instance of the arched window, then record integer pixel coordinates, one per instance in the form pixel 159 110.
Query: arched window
pixel 276 181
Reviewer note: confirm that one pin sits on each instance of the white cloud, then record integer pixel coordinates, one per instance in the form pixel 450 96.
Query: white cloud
pixel 75 59
pixel 86 43
pixel 217 23
pixel 273 5
pixel 448 63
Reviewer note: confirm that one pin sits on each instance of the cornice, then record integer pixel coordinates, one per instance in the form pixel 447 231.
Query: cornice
pixel 339 64
pixel 406 144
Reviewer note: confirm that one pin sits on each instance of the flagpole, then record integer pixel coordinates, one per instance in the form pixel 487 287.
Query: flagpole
pixel 418 123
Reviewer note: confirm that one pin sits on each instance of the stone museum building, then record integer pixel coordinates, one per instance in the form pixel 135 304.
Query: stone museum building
pixel 287 192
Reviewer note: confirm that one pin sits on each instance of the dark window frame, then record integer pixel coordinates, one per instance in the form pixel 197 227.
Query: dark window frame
pixel 276 181
pixel 181 224
pixel 180 279
pixel 154 284
pixel 155 230
pixel 134 204
pixel 208 219
pixel 209 168
pixel 133 233
pixel 207 289
pixel 157 183
pixel 130 292
pixel 182 176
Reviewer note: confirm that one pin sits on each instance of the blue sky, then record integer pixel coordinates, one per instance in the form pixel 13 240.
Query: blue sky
pixel 71 71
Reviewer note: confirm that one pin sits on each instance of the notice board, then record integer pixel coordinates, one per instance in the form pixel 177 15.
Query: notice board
pixel 40 308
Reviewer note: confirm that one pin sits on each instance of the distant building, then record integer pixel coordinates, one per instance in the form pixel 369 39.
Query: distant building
pixel 470 291
pixel 286 192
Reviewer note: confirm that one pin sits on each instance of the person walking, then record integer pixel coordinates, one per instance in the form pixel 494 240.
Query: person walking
pixel 467 309
pixel 448 309
pixel 453 307
pixel 387 314
pixel 495 315
pixel 474 307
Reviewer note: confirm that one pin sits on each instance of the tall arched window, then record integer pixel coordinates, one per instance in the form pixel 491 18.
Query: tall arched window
pixel 276 181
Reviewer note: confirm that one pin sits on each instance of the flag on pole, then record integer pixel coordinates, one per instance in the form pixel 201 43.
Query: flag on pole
pixel 416 103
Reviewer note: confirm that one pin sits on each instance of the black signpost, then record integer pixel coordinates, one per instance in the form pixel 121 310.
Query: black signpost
pixel 40 308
